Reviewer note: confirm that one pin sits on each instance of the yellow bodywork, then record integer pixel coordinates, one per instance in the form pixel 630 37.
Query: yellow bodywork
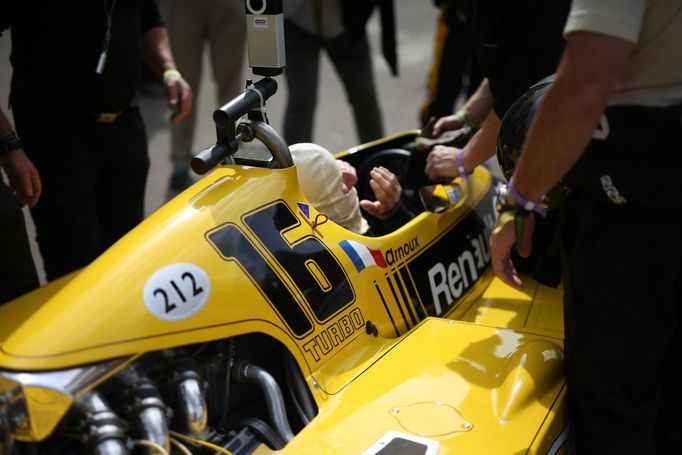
pixel 473 389
pixel 485 377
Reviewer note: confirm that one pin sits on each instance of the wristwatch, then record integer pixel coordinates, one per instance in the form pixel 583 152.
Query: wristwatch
pixel 508 211
pixel 512 207
pixel 9 143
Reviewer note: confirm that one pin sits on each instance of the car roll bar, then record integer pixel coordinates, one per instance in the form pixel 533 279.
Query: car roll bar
pixel 250 102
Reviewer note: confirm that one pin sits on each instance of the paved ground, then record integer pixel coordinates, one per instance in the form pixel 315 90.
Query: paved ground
pixel 400 98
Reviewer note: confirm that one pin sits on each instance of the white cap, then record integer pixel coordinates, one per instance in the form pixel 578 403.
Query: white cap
pixel 319 177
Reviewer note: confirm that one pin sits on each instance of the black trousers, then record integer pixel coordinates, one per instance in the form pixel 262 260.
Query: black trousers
pixel 17 270
pixel 452 63
pixel 352 61
pixel 623 287
pixel 93 176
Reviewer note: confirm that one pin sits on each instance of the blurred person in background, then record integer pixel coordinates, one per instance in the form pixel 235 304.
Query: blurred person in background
pixel 338 27
pixel 517 43
pixel 76 68
pixel 17 269
pixel 193 26
pixel 453 69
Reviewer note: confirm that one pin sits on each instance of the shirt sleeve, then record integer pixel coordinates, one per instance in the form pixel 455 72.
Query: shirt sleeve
pixel 151 16
pixel 617 18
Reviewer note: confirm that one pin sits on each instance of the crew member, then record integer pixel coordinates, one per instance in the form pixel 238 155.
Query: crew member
pixel 613 117
pixel 17 269
pixel 75 72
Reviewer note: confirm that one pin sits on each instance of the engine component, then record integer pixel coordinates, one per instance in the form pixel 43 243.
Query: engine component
pixel 247 372
pixel 148 408
pixel 37 401
pixel 189 387
pixel 5 439
pixel 298 390
pixel 264 432
pixel 114 405
pixel 106 433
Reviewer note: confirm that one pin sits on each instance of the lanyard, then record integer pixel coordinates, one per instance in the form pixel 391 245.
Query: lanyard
pixel 107 37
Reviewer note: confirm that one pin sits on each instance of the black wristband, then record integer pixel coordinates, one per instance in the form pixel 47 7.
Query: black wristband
pixel 9 143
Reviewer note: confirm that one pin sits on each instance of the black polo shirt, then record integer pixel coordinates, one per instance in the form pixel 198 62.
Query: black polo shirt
pixel 517 43
pixel 56 45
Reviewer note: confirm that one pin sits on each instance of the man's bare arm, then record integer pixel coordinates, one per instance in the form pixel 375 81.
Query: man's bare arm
pixel 570 110
pixel 23 177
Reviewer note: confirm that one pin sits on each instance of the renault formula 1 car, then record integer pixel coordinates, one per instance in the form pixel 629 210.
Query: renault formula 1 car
pixel 233 320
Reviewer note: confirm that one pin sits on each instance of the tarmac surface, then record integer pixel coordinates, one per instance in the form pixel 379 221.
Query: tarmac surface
pixel 400 99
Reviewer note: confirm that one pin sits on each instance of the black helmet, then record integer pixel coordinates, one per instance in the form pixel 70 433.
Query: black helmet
pixel 513 130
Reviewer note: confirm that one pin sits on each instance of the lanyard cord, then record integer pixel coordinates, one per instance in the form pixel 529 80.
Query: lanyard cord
pixel 110 14
pixel 107 37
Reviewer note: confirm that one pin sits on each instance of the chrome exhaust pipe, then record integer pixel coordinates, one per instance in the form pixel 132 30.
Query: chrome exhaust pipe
pixel 244 371
pixel 107 431
pixel 192 401
pixel 148 408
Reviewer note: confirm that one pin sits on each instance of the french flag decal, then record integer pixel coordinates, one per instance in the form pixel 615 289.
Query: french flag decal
pixel 362 256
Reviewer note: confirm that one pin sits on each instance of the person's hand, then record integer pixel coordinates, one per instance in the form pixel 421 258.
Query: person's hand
pixel 348 175
pixel 441 163
pixel 179 95
pixel 387 191
pixel 502 241
pixel 447 123
pixel 24 179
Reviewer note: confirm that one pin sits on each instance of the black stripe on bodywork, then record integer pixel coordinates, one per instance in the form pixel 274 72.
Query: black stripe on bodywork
pixel 388 312
pixel 397 301
pixel 412 293
pixel 403 295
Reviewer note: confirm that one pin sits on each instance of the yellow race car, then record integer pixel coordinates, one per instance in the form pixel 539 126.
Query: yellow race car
pixel 233 320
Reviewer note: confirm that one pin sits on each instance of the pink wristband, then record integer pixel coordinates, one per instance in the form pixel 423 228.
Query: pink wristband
pixel 459 158
pixel 531 206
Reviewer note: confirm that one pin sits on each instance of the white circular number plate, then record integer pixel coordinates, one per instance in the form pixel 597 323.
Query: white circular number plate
pixel 176 292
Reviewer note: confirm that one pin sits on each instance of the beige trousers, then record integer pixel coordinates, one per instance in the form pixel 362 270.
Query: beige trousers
pixel 193 24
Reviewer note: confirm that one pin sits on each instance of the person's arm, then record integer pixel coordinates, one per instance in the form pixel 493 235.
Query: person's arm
pixel 475 110
pixel 23 177
pixel 561 129
pixel 156 52
pixel 441 163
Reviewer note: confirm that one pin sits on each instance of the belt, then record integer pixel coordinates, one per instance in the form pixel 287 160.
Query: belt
pixel 111 117
pixel 107 117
